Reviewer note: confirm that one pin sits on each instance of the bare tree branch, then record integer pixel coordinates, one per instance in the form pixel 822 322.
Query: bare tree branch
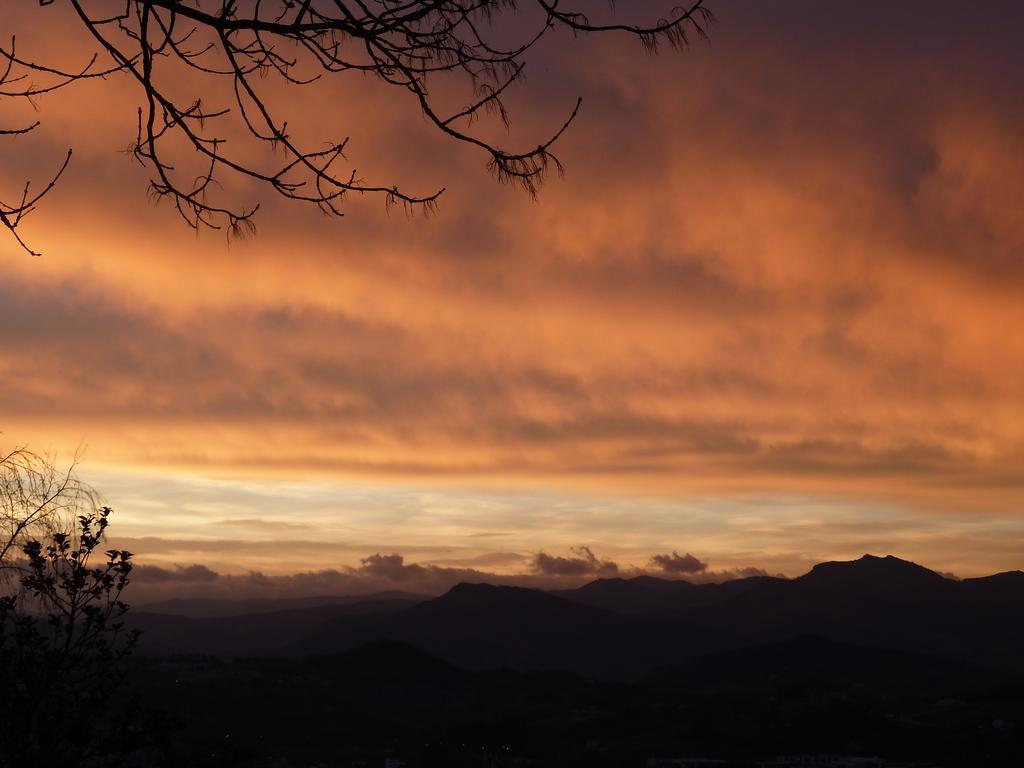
pixel 37 497
pixel 406 44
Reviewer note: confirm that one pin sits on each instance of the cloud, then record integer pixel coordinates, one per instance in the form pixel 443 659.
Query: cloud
pixel 583 562
pixel 488 559
pixel 181 573
pixel 675 563
pixel 718 577
pixel 680 338
pixel 687 567
pixel 391 567
pixel 255 523
pixel 374 573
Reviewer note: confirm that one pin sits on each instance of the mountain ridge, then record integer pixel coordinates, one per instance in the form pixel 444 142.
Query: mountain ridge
pixel 625 628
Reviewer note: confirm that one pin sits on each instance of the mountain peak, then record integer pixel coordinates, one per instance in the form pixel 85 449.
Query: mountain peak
pixel 472 588
pixel 872 571
pixel 489 597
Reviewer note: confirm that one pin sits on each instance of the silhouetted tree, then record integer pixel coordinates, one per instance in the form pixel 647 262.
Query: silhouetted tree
pixel 408 45
pixel 62 636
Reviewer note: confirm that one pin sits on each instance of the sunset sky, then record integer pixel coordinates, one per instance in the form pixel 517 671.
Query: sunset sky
pixel 772 315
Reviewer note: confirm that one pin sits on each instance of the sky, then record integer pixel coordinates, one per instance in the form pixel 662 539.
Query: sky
pixel 769 317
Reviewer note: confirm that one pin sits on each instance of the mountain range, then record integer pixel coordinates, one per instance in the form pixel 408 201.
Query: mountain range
pixel 626 629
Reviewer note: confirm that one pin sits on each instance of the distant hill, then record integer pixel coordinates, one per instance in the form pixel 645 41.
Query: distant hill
pixel 646 594
pixel 200 608
pixel 481 626
pixel 625 629
pixel 253 634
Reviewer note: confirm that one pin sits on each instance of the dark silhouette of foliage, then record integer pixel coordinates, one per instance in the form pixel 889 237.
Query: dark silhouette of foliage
pixel 62 644
pixel 173 46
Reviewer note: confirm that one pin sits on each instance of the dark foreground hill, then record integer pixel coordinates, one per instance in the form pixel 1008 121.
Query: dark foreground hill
pixel 389 704
pixel 624 629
